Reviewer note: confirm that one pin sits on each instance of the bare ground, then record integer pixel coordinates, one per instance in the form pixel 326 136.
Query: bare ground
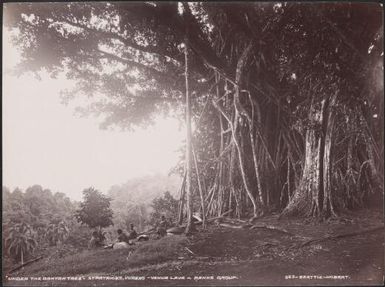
pixel 272 254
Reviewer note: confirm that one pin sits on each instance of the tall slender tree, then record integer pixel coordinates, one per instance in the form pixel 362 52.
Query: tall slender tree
pixel 189 190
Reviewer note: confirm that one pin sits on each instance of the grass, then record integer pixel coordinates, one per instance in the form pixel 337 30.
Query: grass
pixel 108 261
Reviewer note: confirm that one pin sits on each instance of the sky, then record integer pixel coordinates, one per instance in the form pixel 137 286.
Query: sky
pixel 45 143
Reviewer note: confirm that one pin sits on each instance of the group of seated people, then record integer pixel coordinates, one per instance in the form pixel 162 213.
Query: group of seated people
pixel 123 237
pixel 98 239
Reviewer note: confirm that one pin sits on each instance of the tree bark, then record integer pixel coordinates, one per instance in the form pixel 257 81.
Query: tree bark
pixel 239 73
pixel 307 200
pixel 255 161
pixel 327 207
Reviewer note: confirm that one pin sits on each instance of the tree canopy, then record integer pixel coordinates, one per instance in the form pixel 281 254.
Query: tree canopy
pixel 294 85
pixel 95 210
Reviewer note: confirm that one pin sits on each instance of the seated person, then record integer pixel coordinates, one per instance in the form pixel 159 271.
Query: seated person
pixel 132 234
pixel 170 222
pixel 162 227
pixel 122 236
pixel 108 238
pixel 95 241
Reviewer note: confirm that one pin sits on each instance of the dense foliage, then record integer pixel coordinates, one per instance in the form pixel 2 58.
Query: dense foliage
pixel 165 205
pixel 95 210
pixel 34 219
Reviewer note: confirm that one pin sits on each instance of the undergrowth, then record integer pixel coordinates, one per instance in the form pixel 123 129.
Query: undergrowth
pixel 107 260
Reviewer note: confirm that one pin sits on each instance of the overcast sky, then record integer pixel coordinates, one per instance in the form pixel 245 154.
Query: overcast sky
pixel 45 143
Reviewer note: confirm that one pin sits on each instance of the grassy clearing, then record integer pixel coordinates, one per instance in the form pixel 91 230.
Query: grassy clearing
pixel 157 251
pixel 109 261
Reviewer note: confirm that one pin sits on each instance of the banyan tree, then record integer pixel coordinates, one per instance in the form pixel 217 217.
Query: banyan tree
pixel 286 98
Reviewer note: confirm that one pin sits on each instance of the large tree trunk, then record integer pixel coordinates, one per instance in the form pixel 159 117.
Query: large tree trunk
pixel 313 196
pixel 328 128
pixel 238 78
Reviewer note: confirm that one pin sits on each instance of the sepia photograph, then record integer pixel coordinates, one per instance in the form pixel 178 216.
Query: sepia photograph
pixel 165 143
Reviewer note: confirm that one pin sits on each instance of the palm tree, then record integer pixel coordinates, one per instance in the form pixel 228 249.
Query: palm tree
pixel 57 233
pixel 20 241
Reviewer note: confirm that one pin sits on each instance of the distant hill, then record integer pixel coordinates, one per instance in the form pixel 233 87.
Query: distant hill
pixel 144 189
